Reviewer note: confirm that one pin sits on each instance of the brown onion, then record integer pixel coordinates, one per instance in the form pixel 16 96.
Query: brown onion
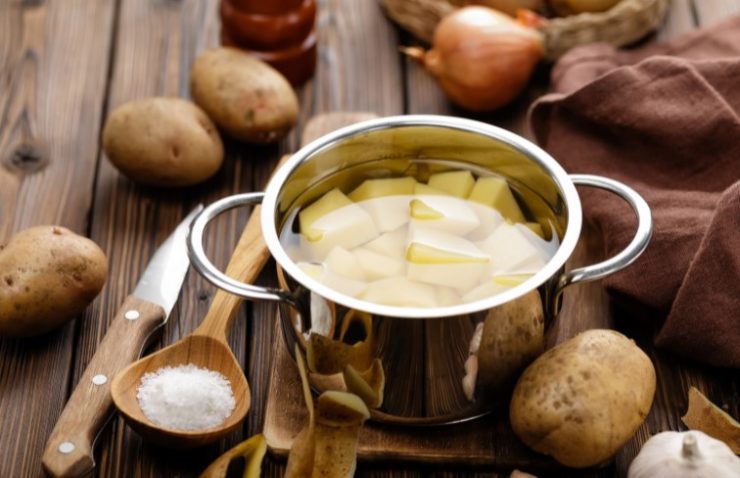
pixel 481 58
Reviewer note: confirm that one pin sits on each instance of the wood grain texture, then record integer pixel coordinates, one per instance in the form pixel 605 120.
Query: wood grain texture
pixel 54 59
pixel 50 110
pixel 90 403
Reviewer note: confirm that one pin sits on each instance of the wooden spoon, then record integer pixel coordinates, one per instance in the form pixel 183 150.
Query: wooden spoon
pixel 206 347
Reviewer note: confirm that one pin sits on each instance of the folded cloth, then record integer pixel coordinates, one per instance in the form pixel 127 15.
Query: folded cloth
pixel 665 119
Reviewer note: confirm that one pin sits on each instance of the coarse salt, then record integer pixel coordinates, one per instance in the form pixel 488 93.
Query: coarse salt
pixel 186 397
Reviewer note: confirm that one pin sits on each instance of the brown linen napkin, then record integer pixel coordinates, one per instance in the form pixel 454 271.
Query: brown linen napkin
pixel 664 119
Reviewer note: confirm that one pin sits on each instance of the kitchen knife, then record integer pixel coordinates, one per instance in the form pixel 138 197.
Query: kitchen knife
pixel 69 447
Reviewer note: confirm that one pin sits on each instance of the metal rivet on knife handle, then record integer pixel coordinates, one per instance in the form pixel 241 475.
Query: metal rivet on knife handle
pixel 132 314
pixel 66 447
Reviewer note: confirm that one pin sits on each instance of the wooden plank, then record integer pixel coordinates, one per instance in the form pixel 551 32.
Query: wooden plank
pixel 50 109
pixel 156 44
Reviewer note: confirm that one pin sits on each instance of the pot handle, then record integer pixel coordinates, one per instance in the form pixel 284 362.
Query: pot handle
pixel 629 254
pixel 205 267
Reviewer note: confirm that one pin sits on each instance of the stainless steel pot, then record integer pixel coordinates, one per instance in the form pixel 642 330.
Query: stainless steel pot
pixel 421 350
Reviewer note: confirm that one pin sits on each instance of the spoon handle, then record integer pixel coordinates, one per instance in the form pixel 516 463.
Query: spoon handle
pixel 249 257
pixel 245 265
pixel 69 448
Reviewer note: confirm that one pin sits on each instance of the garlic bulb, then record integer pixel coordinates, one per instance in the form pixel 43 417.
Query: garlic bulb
pixel 689 454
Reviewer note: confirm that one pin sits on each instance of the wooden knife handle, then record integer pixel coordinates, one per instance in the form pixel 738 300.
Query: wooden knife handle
pixel 69 447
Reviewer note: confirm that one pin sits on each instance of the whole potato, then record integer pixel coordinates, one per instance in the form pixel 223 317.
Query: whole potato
pixel 513 335
pixel 165 142
pixel 48 275
pixel 583 399
pixel 246 97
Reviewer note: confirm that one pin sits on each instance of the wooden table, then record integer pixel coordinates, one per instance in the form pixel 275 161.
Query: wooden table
pixel 65 64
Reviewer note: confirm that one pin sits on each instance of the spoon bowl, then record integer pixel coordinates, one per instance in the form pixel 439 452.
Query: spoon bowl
pixel 201 351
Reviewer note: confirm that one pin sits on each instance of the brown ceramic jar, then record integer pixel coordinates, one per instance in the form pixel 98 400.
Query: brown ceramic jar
pixel 280 32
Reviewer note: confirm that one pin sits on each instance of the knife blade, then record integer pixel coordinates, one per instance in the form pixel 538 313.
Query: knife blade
pixel 69 449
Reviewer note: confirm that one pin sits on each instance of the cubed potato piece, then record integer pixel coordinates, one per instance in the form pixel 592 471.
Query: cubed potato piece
pixel 461 276
pixel 421 189
pixel 374 188
pixel 348 227
pixel 388 213
pixel 548 248
pixel 391 244
pixel 327 203
pixel 315 271
pixel 339 283
pixel 343 285
pixel 489 219
pixel 420 210
pixel 345 263
pixel 483 291
pixel 448 214
pixel 447 296
pixel 378 266
pixel 494 192
pixel 510 280
pixel 401 292
pixel 456 183
pixel 512 252
pixel 439 258
pixel 427 245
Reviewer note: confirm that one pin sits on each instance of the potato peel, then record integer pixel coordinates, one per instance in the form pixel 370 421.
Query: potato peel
pixel 252 450
pixel 705 416
pixel 368 385
pixel 327 445
pixel 328 356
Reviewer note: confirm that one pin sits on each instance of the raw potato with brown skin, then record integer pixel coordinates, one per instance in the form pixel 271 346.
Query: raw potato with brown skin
pixel 246 97
pixel 48 275
pixel 163 142
pixel 582 400
pixel 513 335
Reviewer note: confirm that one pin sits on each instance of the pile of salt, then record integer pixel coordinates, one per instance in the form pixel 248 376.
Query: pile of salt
pixel 186 397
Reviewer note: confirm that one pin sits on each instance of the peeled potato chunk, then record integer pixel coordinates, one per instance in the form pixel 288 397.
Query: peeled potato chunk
pixel 436 257
pixel 338 282
pixel 512 252
pixel 484 291
pixel 489 218
pixel 345 263
pixel 399 291
pixel 334 220
pixel 374 188
pixel 444 213
pixel 329 202
pixel 494 192
pixel 425 189
pixel 456 183
pixel 389 212
pixel 378 266
pixel 392 244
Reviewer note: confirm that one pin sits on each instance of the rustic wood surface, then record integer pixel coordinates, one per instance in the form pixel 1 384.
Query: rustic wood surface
pixel 65 65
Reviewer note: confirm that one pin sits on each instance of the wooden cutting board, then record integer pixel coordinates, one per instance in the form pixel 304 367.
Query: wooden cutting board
pixel 486 441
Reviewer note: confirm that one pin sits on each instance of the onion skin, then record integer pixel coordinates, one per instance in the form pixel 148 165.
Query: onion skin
pixel 509 7
pixel 481 58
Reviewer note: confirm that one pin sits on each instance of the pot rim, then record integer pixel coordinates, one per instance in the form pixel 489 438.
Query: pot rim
pixel 529 149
